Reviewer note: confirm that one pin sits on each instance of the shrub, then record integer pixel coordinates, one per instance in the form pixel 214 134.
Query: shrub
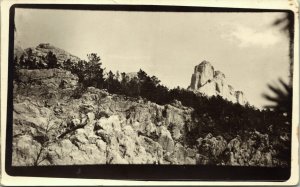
pixel 78 92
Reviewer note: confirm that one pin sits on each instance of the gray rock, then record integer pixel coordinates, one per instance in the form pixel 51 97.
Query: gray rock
pixel 212 83
pixel 165 139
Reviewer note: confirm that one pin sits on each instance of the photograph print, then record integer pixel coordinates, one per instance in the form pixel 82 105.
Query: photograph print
pixel 153 87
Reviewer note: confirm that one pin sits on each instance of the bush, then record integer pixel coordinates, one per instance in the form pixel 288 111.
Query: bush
pixel 51 60
pixel 78 92
pixel 29 61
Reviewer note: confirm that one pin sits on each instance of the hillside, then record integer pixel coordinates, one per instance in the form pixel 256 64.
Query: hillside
pixel 98 127
pixel 58 122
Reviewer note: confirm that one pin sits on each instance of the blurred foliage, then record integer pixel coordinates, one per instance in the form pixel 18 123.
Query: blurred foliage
pixel 282 101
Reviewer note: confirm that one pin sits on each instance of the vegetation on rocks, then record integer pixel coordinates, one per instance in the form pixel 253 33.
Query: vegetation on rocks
pixel 72 112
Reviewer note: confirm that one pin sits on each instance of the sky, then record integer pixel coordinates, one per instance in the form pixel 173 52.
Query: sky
pixel 246 47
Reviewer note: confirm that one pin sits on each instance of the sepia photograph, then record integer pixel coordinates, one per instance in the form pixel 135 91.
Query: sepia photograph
pixel 161 88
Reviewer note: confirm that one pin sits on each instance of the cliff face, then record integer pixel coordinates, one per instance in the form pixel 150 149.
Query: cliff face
pixel 212 83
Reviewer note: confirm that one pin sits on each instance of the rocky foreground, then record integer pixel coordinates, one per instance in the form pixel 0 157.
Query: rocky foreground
pixel 55 123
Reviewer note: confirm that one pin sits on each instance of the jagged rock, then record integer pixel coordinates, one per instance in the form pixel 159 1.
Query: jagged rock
pixel 234 144
pixel 148 129
pixel 212 83
pixel 48 77
pixel 115 158
pixel 31 119
pixel 26 151
pixel 154 151
pixel 66 153
pixel 254 152
pixel 180 154
pixel 165 139
pixel 101 145
pixel 109 125
pixel 44 85
pixel 203 73
pixel 176 134
pixel 211 147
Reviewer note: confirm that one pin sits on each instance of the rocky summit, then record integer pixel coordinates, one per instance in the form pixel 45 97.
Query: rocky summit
pixel 42 49
pixel 212 83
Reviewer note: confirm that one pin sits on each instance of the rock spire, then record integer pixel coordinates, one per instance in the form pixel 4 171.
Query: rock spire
pixel 212 83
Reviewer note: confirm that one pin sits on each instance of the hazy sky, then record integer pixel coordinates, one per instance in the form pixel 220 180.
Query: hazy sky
pixel 245 46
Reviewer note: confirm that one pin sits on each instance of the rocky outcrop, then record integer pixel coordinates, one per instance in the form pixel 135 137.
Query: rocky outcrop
pixel 203 73
pixel 112 140
pixel 40 51
pixel 97 128
pixel 253 151
pixel 210 148
pixel 49 77
pixel 44 85
pixel 212 83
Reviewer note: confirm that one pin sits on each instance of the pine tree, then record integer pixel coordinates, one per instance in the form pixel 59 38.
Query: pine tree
pixel 94 72
pixel 51 60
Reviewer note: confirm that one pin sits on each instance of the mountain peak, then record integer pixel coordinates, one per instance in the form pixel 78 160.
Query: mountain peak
pixel 212 83
pixel 205 62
